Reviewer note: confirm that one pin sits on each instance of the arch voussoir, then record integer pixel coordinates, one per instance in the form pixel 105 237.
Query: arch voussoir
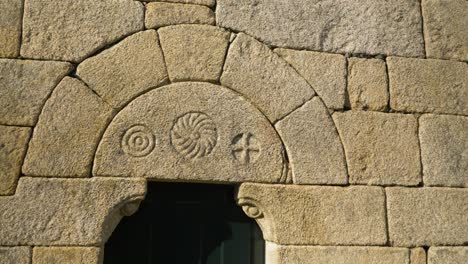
pixel 127 69
pixel 194 52
pixel 67 132
pixel 259 74
pixel 313 145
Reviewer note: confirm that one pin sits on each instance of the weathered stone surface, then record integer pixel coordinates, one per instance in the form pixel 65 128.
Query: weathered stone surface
pixel 24 87
pixel 433 86
pixel 311 215
pixel 74 29
pixel 67 133
pixel 370 27
pixel 380 148
pixel 127 69
pixel 256 72
pixel 367 84
pixel 194 52
pixel 69 255
pixel 15 255
pixel 210 134
pixel 444 150
pixel 427 216
pixel 10 27
pixel 447 255
pixel 325 72
pixel 166 14
pixel 337 255
pixel 13 143
pixel 313 145
pixel 64 212
pixel 418 256
pixel 446 29
pixel 195 2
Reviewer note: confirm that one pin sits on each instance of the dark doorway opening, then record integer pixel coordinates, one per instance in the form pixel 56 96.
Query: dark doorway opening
pixel 186 224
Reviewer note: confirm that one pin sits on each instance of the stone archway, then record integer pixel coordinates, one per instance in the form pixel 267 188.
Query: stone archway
pixel 111 79
pixel 124 94
pixel 393 77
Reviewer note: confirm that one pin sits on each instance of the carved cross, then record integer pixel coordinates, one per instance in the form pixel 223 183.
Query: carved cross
pixel 244 148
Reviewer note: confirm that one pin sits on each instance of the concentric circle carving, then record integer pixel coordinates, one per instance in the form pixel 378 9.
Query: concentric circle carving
pixel 138 141
pixel 194 135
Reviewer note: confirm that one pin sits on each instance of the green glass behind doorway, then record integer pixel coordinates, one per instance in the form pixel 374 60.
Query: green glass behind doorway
pixel 186 224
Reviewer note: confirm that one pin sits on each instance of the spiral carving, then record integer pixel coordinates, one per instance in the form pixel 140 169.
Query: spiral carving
pixel 138 141
pixel 250 208
pixel 194 135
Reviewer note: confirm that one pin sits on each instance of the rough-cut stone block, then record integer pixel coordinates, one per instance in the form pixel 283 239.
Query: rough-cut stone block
pixel 313 145
pixel 427 216
pixel 367 84
pixel 210 134
pixel 15 255
pixel 67 133
pixel 444 150
pixel 24 87
pixel 438 86
pixel 127 69
pixel 166 14
pixel 277 254
pixel 71 30
pixel 325 72
pixel 359 26
pixel 446 29
pixel 194 52
pixel 316 215
pixel 51 211
pixel 447 255
pixel 13 143
pixel 418 256
pixel 10 27
pixel 380 148
pixel 194 2
pixel 68 255
pixel 259 74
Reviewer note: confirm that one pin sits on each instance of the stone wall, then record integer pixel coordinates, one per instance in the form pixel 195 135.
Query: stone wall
pixel 343 123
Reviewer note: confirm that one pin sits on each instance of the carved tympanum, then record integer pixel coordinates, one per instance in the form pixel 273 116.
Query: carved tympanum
pixel 191 131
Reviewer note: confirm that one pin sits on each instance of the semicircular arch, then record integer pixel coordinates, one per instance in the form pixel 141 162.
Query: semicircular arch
pixel 79 110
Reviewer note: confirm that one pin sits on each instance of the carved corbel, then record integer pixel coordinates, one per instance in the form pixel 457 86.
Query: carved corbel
pixel 254 209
